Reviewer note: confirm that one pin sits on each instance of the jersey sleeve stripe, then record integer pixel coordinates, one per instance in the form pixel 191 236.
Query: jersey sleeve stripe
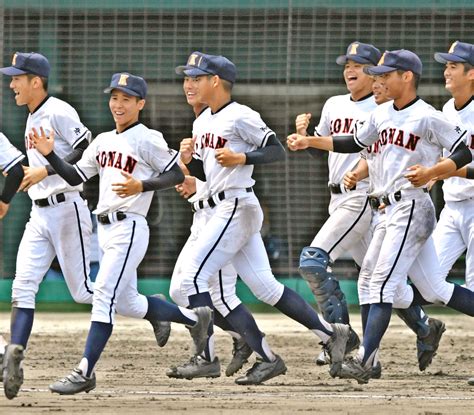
pixel 265 138
pixel 82 137
pixel 456 143
pixel 170 164
pixel 358 142
pixel 13 162
pixel 81 173
pixel 316 132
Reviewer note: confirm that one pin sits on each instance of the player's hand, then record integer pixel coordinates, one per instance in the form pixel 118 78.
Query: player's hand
pixel 302 123
pixel 297 142
pixel 32 176
pixel 42 143
pixel 350 179
pixel 418 175
pixel 129 187
pixel 3 209
pixel 186 149
pixel 187 188
pixel 227 158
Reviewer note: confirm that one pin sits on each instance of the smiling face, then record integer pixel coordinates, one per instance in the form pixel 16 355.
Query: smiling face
pixel 357 81
pixel 457 78
pixel 379 90
pixel 124 108
pixel 22 86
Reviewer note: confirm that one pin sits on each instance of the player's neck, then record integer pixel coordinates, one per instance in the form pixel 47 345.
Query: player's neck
pixel 218 101
pixel 405 99
pixel 462 97
pixel 36 101
pixel 120 128
pixel 360 95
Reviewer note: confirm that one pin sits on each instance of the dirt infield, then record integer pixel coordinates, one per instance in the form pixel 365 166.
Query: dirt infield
pixel 131 373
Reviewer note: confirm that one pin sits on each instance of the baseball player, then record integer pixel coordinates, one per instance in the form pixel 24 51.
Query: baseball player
pixel 454 233
pixel 347 228
pixel 60 223
pixel 131 162
pixel 222 285
pixel 428 330
pixel 228 139
pixel 406 134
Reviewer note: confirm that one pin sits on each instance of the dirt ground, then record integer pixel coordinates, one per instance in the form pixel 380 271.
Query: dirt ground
pixel 131 373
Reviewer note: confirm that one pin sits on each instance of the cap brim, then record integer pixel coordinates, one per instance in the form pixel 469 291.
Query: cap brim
pixel 447 57
pixel 190 71
pixel 123 89
pixel 12 71
pixel 342 60
pixel 379 69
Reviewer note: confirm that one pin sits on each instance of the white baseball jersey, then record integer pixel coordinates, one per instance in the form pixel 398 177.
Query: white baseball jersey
pixel 236 127
pixel 55 115
pixel 339 116
pixel 9 154
pixel 456 188
pixel 139 151
pixel 402 138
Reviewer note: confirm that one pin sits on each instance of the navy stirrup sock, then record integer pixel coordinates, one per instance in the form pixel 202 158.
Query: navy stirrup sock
pixel 364 314
pixel 462 300
pixel 293 305
pixel 21 325
pixel 245 324
pixel 221 322
pixel 377 323
pixel 161 310
pixel 97 338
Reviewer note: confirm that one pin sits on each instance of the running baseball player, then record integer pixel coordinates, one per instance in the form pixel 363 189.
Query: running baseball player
pixel 405 134
pixel 428 330
pixel 131 162
pixel 222 285
pixel 454 232
pixel 347 228
pixel 60 223
pixel 228 139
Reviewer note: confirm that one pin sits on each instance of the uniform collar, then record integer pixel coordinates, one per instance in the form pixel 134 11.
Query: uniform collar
pixel 464 106
pixel 128 128
pixel 41 104
pixel 406 106
pixel 363 98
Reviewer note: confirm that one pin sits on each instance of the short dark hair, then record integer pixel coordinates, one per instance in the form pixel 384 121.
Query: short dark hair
pixel 416 77
pixel 467 67
pixel 44 80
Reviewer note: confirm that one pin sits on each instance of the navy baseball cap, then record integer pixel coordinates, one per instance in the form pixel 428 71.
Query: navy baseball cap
pixel 28 63
pixel 361 53
pixel 458 52
pixel 201 64
pixel 402 59
pixel 128 83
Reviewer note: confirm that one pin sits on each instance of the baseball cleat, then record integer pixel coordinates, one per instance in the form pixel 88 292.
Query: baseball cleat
pixel 336 346
pixel 353 368
pixel 162 329
pixel 240 353
pixel 323 358
pixel 470 381
pixel 73 383
pixel 353 343
pixel 197 367
pixel 427 346
pixel 12 370
pixel 376 371
pixel 262 371
pixel 199 330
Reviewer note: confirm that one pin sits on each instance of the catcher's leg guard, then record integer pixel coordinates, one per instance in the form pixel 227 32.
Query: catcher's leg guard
pixel 331 300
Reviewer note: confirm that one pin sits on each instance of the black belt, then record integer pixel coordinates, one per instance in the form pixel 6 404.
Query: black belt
pixel 201 204
pixel 335 188
pixel 105 219
pixel 60 197
pixel 375 202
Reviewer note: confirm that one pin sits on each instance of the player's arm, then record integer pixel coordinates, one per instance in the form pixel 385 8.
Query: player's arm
pixel 337 144
pixel 45 146
pixel 273 151
pixel 359 173
pixel 34 175
pixel 419 175
pixel 132 186
pixel 12 183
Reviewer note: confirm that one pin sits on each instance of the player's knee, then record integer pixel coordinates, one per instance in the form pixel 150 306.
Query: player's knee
pixel 313 263
pixel 24 293
pixel 271 294
pixel 177 295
